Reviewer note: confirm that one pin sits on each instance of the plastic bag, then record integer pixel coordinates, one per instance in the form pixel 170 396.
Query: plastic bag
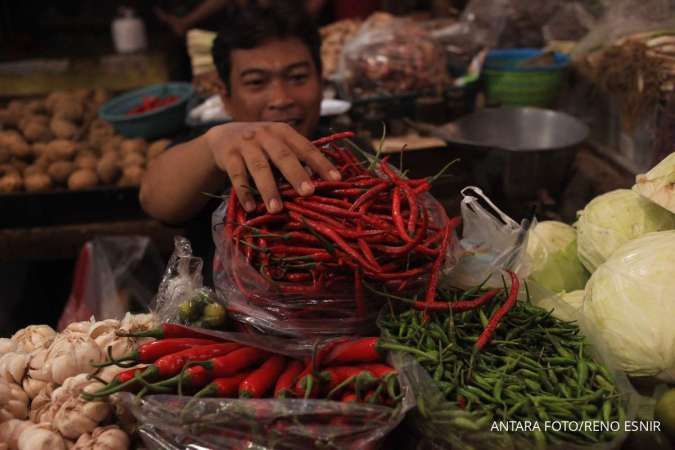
pixel 391 56
pixel 217 423
pixel 442 424
pixel 112 274
pixel 182 282
pixel 488 244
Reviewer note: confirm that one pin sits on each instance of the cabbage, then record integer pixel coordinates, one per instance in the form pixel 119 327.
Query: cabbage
pixel 658 185
pixel 630 303
pixel 613 219
pixel 565 306
pixel 552 248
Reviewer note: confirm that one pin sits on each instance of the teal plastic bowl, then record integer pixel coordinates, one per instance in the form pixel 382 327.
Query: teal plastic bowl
pixel 510 85
pixel 153 124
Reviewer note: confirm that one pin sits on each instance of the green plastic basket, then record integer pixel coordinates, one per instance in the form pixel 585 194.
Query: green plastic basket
pixel 507 84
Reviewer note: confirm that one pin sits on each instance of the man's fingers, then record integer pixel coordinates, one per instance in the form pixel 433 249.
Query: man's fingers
pixel 261 171
pixel 236 170
pixel 312 156
pixel 287 161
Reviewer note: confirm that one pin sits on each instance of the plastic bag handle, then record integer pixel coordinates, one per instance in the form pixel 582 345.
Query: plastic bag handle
pixel 478 191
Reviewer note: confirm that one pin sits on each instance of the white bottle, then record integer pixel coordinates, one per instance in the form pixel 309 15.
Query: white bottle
pixel 128 32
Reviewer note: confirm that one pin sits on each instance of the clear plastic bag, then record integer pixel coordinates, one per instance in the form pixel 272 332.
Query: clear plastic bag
pixel 113 274
pixel 392 56
pixel 255 300
pixel 182 282
pixel 217 423
pixel 488 244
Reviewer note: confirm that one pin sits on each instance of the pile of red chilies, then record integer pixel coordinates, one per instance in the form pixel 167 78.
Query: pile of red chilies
pixel 365 227
pixel 182 359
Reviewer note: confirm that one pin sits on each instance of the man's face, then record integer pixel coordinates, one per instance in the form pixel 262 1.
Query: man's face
pixel 275 82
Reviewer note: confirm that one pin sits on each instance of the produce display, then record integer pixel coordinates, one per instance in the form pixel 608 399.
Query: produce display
pixel 59 143
pixel 658 185
pixel 333 38
pixel 495 359
pixel 305 267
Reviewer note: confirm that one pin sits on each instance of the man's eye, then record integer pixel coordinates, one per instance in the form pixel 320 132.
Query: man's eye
pixel 254 82
pixel 299 77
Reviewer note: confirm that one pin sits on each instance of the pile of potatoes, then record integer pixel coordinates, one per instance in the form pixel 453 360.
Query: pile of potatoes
pixel 59 142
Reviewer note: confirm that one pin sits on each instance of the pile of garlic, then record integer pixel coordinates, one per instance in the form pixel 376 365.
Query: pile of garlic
pixel 42 377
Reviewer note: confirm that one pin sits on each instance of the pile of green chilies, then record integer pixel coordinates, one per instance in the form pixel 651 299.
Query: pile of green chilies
pixel 536 367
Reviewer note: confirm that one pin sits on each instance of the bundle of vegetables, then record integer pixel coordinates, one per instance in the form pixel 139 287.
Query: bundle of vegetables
pixel 43 375
pixel 206 366
pixel 494 359
pixel 373 225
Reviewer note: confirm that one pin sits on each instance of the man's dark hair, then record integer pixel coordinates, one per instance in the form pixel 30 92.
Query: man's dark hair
pixel 259 21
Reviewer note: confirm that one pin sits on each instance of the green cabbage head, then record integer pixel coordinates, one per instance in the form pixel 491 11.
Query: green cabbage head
pixel 552 248
pixel 612 219
pixel 565 306
pixel 630 304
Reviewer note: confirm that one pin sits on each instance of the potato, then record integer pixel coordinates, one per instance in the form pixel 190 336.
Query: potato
pixel 108 169
pixel 60 171
pixel 39 148
pixel 36 106
pixel 71 110
pixel 5 117
pixel 42 161
pixel 33 169
pixel 137 145
pixel 86 162
pixel 4 155
pixel 157 148
pixel 131 176
pixel 15 143
pixel 11 183
pixel 34 131
pixel 54 98
pixel 19 165
pixel 37 182
pixel 111 145
pixel 100 96
pixel 82 95
pixel 97 137
pixel 82 179
pixel 61 149
pixel 63 129
pixel 133 159
pixel 86 151
pixel 7 169
pixel 28 118
pixel 13 114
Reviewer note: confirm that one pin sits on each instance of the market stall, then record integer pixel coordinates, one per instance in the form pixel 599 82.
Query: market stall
pixel 480 277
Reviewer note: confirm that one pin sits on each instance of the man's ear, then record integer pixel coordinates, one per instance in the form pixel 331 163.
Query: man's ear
pixel 224 95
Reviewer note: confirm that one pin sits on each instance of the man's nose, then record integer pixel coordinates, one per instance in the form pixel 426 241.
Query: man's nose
pixel 279 95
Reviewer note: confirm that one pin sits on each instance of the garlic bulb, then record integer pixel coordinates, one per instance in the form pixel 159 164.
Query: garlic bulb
pixel 13 402
pixel 41 436
pixel 71 355
pixel 75 415
pixel 33 337
pixel 41 405
pixel 78 327
pixel 13 366
pixel 10 432
pixel 6 346
pixel 138 322
pixel 36 378
pixel 103 438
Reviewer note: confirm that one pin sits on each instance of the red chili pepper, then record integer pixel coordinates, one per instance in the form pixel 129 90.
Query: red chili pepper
pixel 362 350
pixel 223 387
pixel 370 194
pixel 335 376
pixel 285 382
pixel 328 209
pixel 489 330
pixel 396 215
pixel 456 306
pixel 349 397
pixel 150 351
pixel 170 365
pixel 332 138
pixel 169 331
pixel 412 245
pixel 218 367
pixel 436 268
pixel 263 379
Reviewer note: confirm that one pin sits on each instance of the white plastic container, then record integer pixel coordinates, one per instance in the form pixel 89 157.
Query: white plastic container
pixel 128 32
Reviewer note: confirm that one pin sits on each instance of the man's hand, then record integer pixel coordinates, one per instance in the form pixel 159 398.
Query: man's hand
pixel 241 149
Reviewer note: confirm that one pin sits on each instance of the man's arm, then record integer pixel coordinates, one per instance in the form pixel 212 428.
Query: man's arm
pixel 173 187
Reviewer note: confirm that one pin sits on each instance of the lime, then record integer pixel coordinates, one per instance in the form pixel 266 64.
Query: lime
pixel 213 315
pixel 665 412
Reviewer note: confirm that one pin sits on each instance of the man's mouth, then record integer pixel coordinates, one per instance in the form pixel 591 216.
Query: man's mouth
pixel 295 123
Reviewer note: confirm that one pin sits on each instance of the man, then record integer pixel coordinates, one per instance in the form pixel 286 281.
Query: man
pixel 268 57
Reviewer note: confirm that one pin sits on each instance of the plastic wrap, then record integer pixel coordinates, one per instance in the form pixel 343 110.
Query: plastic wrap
pixel 442 424
pixel 331 311
pixel 216 423
pixel 113 274
pixel 391 56
pixel 488 244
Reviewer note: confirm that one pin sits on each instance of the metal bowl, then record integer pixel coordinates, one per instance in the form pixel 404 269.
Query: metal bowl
pixel 517 152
